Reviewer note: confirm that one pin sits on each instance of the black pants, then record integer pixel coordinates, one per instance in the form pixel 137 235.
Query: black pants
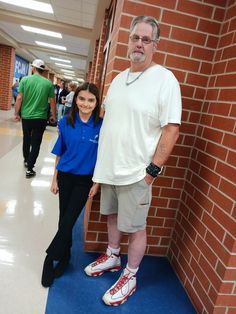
pixel 73 194
pixel 33 130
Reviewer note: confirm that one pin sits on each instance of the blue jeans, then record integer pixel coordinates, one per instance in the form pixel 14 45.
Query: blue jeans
pixel 60 111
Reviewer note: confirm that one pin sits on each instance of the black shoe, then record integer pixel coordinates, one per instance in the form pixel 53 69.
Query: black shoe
pixel 30 173
pixel 48 272
pixel 61 266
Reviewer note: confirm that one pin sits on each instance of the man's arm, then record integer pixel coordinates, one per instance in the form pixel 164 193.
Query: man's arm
pixel 18 103
pixel 169 136
pixel 53 109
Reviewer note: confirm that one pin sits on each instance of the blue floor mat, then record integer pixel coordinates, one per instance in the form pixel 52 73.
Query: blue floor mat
pixel 158 288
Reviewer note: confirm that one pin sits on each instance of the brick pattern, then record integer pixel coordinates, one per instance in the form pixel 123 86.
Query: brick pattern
pixel 7 61
pixel 203 246
pixel 89 72
pixel 92 76
pixel 192 215
pixel 100 53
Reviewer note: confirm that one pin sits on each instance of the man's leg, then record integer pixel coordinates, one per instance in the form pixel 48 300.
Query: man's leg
pixel 36 139
pixel 114 235
pixel 26 138
pixel 136 249
pixel 134 202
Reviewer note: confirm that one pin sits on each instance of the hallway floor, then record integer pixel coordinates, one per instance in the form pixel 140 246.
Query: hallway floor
pixel 28 218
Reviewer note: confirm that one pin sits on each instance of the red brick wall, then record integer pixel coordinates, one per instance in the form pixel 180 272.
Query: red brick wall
pixel 100 53
pixel 192 217
pixel 203 247
pixel 92 71
pixel 7 61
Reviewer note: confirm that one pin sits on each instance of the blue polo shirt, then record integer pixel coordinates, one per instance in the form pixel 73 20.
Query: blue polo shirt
pixel 77 147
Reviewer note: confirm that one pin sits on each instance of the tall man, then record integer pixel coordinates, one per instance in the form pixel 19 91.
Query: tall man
pixel 32 108
pixel 140 129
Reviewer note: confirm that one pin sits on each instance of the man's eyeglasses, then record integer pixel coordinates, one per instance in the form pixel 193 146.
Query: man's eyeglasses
pixel 145 39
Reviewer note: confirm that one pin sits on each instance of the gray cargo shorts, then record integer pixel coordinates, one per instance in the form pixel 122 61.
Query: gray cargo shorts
pixel 130 202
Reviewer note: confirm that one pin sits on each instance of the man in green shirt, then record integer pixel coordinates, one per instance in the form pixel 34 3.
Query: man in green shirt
pixel 31 108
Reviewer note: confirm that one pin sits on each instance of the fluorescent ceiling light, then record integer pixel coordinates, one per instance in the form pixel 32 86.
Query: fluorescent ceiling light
pixel 68 71
pixel 71 74
pixel 41 31
pixel 62 60
pixel 64 65
pixel 40 43
pixel 31 4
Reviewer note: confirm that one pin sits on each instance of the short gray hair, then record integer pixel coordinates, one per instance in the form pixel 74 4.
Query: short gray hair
pixel 149 20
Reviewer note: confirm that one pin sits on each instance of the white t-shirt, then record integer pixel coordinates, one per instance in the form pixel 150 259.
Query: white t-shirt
pixel 134 116
pixel 69 99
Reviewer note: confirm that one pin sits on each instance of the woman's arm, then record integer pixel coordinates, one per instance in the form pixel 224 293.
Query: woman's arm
pixel 54 185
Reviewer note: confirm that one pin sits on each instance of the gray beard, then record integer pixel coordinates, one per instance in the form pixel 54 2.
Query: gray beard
pixel 137 57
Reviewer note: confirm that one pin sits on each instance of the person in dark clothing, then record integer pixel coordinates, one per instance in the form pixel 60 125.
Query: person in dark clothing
pixel 61 93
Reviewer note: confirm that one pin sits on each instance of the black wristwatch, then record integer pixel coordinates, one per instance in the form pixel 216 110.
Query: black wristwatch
pixel 153 170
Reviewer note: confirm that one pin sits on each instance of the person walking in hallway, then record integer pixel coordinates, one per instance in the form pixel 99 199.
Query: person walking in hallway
pixel 76 153
pixel 67 101
pixel 60 96
pixel 31 108
pixel 146 99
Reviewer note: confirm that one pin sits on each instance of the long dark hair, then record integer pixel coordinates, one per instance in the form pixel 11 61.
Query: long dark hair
pixel 92 88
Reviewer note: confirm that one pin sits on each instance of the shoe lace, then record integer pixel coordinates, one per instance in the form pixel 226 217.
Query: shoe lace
pixel 120 283
pixel 102 258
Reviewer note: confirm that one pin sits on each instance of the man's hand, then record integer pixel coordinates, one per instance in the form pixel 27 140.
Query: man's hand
pixel 17 118
pixel 94 189
pixel 149 179
pixel 52 120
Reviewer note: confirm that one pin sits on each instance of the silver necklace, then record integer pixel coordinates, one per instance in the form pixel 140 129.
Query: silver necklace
pixel 127 83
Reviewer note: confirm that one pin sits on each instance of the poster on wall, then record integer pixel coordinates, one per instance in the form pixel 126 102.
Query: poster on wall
pixel 21 68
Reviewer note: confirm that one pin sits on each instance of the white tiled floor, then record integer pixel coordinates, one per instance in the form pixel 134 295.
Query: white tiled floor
pixel 28 220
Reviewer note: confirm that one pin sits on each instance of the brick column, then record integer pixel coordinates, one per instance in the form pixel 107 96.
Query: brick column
pixel 7 61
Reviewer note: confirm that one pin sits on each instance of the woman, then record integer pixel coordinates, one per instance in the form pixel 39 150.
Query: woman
pixel 67 101
pixel 76 153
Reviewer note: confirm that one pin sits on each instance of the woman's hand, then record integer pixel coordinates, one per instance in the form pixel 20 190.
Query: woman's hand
pixel 94 189
pixel 54 186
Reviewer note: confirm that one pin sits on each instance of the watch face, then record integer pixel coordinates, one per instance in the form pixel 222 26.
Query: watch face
pixel 153 170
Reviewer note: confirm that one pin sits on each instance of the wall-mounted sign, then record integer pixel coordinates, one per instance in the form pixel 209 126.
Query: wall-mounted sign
pixel 21 67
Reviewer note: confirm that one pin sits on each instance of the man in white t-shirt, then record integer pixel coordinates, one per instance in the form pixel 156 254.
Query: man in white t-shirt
pixel 139 131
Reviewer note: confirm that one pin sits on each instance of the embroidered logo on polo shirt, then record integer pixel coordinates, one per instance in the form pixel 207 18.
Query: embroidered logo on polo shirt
pixel 95 140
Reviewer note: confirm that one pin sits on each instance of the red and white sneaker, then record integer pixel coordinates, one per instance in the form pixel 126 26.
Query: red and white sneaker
pixel 106 262
pixel 121 290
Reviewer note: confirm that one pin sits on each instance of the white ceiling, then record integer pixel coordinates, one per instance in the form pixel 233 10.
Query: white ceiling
pixel 79 22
